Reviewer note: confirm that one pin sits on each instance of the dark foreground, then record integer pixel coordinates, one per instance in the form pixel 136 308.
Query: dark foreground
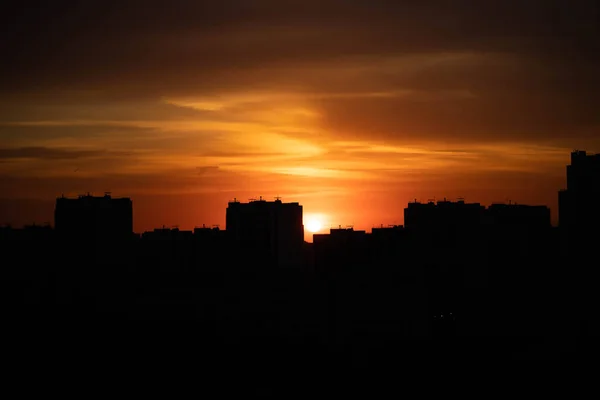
pixel 234 318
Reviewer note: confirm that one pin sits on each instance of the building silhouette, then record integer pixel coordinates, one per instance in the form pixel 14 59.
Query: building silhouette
pixel 579 223
pixel 459 217
pixel 454 270
pixel 94 218
pixel 447 216
pixel 517 217
pixel 269 231
pixel 169 250
pixel 579 203
pixel 340 249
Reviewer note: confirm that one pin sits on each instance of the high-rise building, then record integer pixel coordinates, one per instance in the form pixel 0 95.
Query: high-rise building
pixel 341 248
pixel 579 204
pixel 518 217
pixel 444 216
pixel 94 217
pixel 271 232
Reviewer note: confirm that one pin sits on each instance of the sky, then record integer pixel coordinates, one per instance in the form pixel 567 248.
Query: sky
pixel 352 108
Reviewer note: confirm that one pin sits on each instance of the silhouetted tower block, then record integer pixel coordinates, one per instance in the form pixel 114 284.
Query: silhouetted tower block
pixel 579 204
pixel 168 235
pixel 518 218
pixel 270 232
pixel 207 233
pixel 341 249
pixel 583 175
pixel 579 219
pixel 210 246
pixel 168 250
pixel 387 245
pixel 29 233
pixel 389 236
pixel 443 216
pixel 94 218
pixel 517 231
pixel 26 249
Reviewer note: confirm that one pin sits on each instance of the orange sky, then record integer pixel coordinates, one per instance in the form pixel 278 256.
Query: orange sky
pixel 350 110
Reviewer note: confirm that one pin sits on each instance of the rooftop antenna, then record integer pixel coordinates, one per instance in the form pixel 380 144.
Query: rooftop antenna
pixel 277 198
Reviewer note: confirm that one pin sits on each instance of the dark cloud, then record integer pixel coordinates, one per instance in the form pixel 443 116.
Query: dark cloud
pixel 90 106
pixel 533 66
pixel 182 44
pixel 11 133
pixel 47 153
pixel 502 117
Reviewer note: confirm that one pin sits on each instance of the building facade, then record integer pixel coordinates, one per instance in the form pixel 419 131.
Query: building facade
pixel 271 232
pixel 579 204
pixel 94 217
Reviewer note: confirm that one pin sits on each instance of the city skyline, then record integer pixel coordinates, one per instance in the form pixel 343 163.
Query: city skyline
pixel 456 271
pixel 351 108
pixel 312 224
pixel 319 223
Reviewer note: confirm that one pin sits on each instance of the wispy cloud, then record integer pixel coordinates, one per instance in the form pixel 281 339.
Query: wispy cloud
pixel 48 153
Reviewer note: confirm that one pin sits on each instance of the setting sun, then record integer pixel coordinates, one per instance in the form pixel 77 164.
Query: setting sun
pixel 313 225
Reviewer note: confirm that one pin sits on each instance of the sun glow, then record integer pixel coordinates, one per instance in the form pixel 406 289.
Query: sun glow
pixel 313 225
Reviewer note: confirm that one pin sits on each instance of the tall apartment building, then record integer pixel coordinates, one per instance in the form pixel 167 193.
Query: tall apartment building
pixel 579 203
pixel 90 217
pixel 269 231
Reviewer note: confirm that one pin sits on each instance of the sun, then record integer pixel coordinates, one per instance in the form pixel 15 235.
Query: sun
pixel 313 225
